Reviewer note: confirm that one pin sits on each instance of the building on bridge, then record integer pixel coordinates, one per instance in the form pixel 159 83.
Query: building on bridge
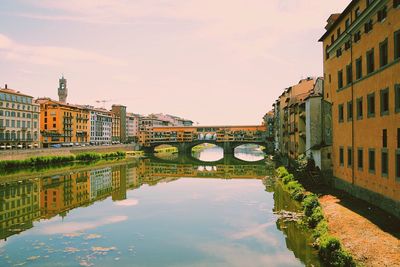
pixel 186 138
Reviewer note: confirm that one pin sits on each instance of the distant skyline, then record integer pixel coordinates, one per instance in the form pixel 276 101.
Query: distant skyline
pixel 212 61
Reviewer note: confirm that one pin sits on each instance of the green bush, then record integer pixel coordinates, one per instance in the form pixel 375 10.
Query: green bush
pixel 282 172
pixel 330 250
pixel 321 229
pixel 90 156
pixel 288 178
pixel 310 202
pixel 332 254
pixel 316 217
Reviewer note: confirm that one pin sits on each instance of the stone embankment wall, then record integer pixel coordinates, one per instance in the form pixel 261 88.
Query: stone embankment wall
pixel 29 153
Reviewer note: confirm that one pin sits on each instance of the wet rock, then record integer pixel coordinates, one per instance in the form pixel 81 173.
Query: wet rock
pixel 289 216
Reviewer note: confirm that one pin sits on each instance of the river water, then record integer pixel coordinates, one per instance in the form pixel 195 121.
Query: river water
pixel 167 211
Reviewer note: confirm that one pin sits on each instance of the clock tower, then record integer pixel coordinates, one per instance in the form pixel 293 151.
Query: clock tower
pixel 62 90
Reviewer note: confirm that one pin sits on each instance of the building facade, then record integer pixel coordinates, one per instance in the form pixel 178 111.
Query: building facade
pixel 362 81
pixel 100 126
pixel 19 120
pixel 132 127
pixel 119 131
pixel 290 119
pixel 63 124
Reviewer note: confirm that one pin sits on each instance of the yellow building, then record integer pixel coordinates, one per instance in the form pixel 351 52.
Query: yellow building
pixel 19 206
pixel 362 80
pixel 63 123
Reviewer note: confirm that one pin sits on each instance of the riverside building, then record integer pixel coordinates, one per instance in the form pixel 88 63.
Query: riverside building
pixel 19 120
pixel 362 81
pixel 63 124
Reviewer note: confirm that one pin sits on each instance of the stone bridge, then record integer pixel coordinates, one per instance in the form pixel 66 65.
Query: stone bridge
pixel 185 138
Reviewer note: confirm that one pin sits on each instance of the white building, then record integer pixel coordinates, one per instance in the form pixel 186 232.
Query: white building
pixel 100 126
pixel 19 120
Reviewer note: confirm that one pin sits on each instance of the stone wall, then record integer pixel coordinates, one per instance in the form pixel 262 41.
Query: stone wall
pixel 389 205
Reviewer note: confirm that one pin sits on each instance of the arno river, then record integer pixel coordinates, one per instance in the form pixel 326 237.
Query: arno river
pixel 168 211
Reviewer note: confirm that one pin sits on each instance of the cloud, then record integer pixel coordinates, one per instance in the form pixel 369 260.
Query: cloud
pixel 240 28
pixel 57 227
pixel 240 255
pixel 257 232
pixel 127 203
pixel 50 55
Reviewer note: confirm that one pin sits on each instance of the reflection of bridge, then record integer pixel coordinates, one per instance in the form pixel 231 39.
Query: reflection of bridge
pixel 185 138
pixel 152 169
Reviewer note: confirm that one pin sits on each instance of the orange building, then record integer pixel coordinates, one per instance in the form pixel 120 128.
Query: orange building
pixel 62 123
pixel 362 81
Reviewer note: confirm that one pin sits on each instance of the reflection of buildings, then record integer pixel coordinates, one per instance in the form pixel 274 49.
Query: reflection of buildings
pixel 61 193
pixel 19 206
pixel 100 183
pixel 22 202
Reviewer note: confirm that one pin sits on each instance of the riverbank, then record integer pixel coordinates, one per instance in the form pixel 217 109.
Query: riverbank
pixel 330 249
pixel 368 242
pixel 24 154
pixel 365 231
pixel 43 163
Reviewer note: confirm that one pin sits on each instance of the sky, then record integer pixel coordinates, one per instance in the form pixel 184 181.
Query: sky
pixel 211 61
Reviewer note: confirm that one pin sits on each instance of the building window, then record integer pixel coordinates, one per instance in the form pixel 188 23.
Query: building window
pixel 384 102
pixel 339 32
pixel 347 23
pixel 347 45
pixel 357 12
pixel 371 105
pixel 332 38
pixel 359 68
pixel 370 61
pixel 339 52
pixel 368 26
pixel 349 74
pixel 357 36
pixel 359 108
pixel 397 44
pixel 360 159
pixel 341 116
pixel 385 163
pixel 397 98
pixel 398 164
pixel 396 3
pixel 341 156
pixel 398 137
pixel 326 52
pixel 384 138
pixel 340 79
pixel 371 160
pixel 349 157
pixel 382 14
pixel 350 110
pixel 383 53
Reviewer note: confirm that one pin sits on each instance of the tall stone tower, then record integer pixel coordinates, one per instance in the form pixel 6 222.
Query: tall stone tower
pixel 62 90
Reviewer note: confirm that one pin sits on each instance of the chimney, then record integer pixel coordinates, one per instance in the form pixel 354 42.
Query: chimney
pixel 6 86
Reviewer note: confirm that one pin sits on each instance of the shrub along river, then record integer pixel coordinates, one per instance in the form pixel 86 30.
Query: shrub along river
pixel 169 211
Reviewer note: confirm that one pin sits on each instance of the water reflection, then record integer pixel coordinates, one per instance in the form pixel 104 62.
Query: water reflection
pixel 116 203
